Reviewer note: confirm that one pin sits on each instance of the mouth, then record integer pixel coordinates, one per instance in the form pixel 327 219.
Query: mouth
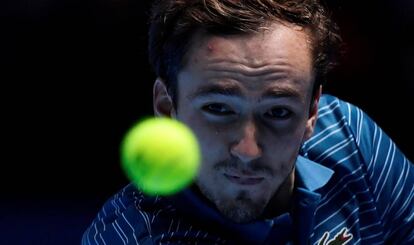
pixel 243 179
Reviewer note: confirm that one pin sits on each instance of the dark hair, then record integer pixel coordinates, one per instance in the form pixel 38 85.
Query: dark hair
pixel 173 22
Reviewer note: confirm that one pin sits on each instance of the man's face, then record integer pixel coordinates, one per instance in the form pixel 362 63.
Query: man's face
pixel 247 99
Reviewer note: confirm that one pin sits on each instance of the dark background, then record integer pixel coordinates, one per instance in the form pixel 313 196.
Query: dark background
pixel 74 77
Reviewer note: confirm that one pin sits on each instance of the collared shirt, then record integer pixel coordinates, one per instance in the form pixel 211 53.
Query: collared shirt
pixel 354 187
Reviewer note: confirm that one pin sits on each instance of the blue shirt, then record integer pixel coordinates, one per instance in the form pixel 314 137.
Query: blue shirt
pixel 354 187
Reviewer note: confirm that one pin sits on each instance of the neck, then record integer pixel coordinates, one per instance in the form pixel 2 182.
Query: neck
pixel 281 201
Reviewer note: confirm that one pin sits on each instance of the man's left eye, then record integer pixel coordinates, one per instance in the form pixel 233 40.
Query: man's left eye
pixel 278 113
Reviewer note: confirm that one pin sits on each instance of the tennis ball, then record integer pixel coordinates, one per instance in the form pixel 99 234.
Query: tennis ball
pixel 161 156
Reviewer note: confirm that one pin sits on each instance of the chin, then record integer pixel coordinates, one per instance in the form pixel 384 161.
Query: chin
pixel 242 209
pixel 239 207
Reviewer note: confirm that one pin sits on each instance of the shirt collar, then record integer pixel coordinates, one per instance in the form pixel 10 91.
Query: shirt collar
pixel 311 175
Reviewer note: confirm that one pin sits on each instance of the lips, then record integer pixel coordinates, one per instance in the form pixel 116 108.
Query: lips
pixel 243 179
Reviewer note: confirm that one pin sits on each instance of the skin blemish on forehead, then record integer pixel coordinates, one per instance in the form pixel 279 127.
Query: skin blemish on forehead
pixel 211 47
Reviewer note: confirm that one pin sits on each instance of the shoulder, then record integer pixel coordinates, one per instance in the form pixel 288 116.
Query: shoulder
pixel 372 186
pixel 127 216
pixel 130 217
pixel 332 110
pixel 336 135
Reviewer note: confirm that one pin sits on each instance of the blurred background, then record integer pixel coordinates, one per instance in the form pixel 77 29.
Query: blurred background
pixel 74 77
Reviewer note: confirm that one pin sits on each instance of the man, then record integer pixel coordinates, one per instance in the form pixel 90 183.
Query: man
pixel 246 77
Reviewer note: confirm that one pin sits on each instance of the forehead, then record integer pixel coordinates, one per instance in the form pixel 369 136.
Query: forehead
pixel 277 58
pixel 280 41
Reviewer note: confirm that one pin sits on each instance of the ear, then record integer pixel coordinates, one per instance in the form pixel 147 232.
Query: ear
pixel 162 102
pixel 313 115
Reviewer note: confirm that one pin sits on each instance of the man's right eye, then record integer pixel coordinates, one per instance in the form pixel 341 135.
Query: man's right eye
pixel 218 109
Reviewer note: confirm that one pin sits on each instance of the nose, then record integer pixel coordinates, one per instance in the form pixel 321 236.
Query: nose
pixel 247 148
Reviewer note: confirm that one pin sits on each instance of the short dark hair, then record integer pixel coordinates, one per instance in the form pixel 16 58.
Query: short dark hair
pixel 173 22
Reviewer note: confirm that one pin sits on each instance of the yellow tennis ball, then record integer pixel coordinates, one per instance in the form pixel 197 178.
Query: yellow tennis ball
pixel 161 156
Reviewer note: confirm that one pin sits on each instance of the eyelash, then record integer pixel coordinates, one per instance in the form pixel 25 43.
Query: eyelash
pixel 285 113
pixel 219 109
pixel 216 111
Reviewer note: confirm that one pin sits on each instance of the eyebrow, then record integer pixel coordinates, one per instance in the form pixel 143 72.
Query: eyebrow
pixel 232 90
pixel 215 89
pixel 280 92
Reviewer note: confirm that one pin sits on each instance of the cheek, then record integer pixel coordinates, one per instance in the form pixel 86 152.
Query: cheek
pixel 210 138
pixel 212 145
pixel 286 136
pixel 282 146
